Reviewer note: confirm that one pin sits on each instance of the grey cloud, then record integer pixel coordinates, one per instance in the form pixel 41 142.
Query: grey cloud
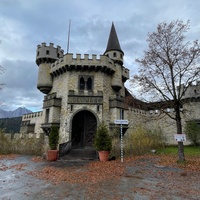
pixel 19 73
pixel 20 89
pixel 25 24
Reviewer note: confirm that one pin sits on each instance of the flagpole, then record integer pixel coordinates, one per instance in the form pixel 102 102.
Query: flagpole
pixel 68 36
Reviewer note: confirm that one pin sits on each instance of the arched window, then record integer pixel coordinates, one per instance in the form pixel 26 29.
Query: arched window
pixel 82 83
pixel 85 82
pixel 114 54
pixel 89 84
pixel 47 52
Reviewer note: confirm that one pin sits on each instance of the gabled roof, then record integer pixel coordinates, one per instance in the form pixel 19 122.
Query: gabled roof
pixel 113 42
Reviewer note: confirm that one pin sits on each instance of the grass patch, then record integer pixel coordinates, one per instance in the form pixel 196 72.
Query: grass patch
pixel 173 150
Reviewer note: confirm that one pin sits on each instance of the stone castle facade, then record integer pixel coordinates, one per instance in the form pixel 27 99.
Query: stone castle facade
pixel 80 92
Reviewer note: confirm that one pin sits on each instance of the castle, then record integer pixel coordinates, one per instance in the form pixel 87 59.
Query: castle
pixel 80 92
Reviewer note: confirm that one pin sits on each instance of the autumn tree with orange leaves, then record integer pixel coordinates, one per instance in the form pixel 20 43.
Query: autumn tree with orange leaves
pixel 168 62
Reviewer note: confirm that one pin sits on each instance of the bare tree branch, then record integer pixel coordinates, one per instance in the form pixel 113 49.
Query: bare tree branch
pixel 168 63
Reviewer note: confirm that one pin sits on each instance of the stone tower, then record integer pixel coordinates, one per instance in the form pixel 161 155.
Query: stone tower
pixel 45 56
pixel 81 91
pixel 114 52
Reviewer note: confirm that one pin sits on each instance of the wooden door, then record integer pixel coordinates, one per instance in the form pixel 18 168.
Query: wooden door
pixel 90 129
pixel 84 125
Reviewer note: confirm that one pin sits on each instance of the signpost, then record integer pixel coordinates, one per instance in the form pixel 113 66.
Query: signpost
pixel 121 122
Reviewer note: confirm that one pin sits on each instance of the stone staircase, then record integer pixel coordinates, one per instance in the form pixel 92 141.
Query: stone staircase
pixel 81 154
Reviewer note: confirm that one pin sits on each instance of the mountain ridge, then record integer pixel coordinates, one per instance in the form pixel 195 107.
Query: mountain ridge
pixel 15 113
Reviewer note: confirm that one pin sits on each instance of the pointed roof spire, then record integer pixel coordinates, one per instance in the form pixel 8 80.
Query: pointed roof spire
pixel 113 42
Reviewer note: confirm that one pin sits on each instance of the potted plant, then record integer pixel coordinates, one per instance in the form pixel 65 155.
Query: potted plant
pixel 103 142
pixel 52 154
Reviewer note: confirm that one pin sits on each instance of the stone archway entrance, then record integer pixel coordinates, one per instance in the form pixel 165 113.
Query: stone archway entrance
pixel 84 125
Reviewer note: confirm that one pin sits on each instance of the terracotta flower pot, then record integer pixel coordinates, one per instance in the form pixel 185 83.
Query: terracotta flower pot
pixel 104 155
pixel 52 155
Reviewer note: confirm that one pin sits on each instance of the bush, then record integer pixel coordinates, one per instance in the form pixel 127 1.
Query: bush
pixel 142 140
pixel 192 130
pixel 102 140
pixel 4 143
pixel 53 138
pixel 27 146
pixel 116 147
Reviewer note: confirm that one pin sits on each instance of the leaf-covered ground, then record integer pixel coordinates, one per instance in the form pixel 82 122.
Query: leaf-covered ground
pixel 138 177
pixel 104 179
pixel 92 173
pixel 101 171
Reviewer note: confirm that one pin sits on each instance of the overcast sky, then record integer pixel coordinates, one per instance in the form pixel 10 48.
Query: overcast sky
pixel 25 24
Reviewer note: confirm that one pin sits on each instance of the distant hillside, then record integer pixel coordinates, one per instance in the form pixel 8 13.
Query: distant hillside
pixel 11 125
pixel 15 113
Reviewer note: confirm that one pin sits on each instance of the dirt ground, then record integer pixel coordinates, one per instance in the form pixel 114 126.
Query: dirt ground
pixel 139 178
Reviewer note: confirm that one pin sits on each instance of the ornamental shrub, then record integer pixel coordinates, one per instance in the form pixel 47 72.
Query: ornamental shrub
pixel 53 137
pixel 102 140
pixel 192 130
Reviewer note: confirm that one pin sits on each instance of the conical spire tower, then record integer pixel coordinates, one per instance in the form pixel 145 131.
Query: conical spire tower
pixel 113 49
pixel 114 52
pixel 113 42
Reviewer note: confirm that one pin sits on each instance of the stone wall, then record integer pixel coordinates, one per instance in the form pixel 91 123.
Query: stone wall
pixel 155 118
pixel 99 96
pixel 31 123
pixel 193 90
pixel 152 119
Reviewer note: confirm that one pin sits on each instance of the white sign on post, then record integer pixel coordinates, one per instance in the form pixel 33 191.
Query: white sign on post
pixel 121 121
pixel 180 137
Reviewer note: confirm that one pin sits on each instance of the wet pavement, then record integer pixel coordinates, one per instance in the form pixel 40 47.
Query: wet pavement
pixel 16 183
pixel 141 181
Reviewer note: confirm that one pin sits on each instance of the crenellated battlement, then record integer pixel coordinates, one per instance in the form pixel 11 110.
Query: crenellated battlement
pixel 50 46
pixel 32 115
pixel 150 113
pixel 48 53
pixel 83 59
pixel 157 111
pixel 86 62
pixel 125 74
pixel 193 90
pixel 192 84
pixel 77 62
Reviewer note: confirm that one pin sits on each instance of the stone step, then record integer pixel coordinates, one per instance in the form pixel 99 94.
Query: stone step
pixel 82 154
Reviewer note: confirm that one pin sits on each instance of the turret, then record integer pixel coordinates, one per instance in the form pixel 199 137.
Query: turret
pixel 114 52
pixel 45 56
